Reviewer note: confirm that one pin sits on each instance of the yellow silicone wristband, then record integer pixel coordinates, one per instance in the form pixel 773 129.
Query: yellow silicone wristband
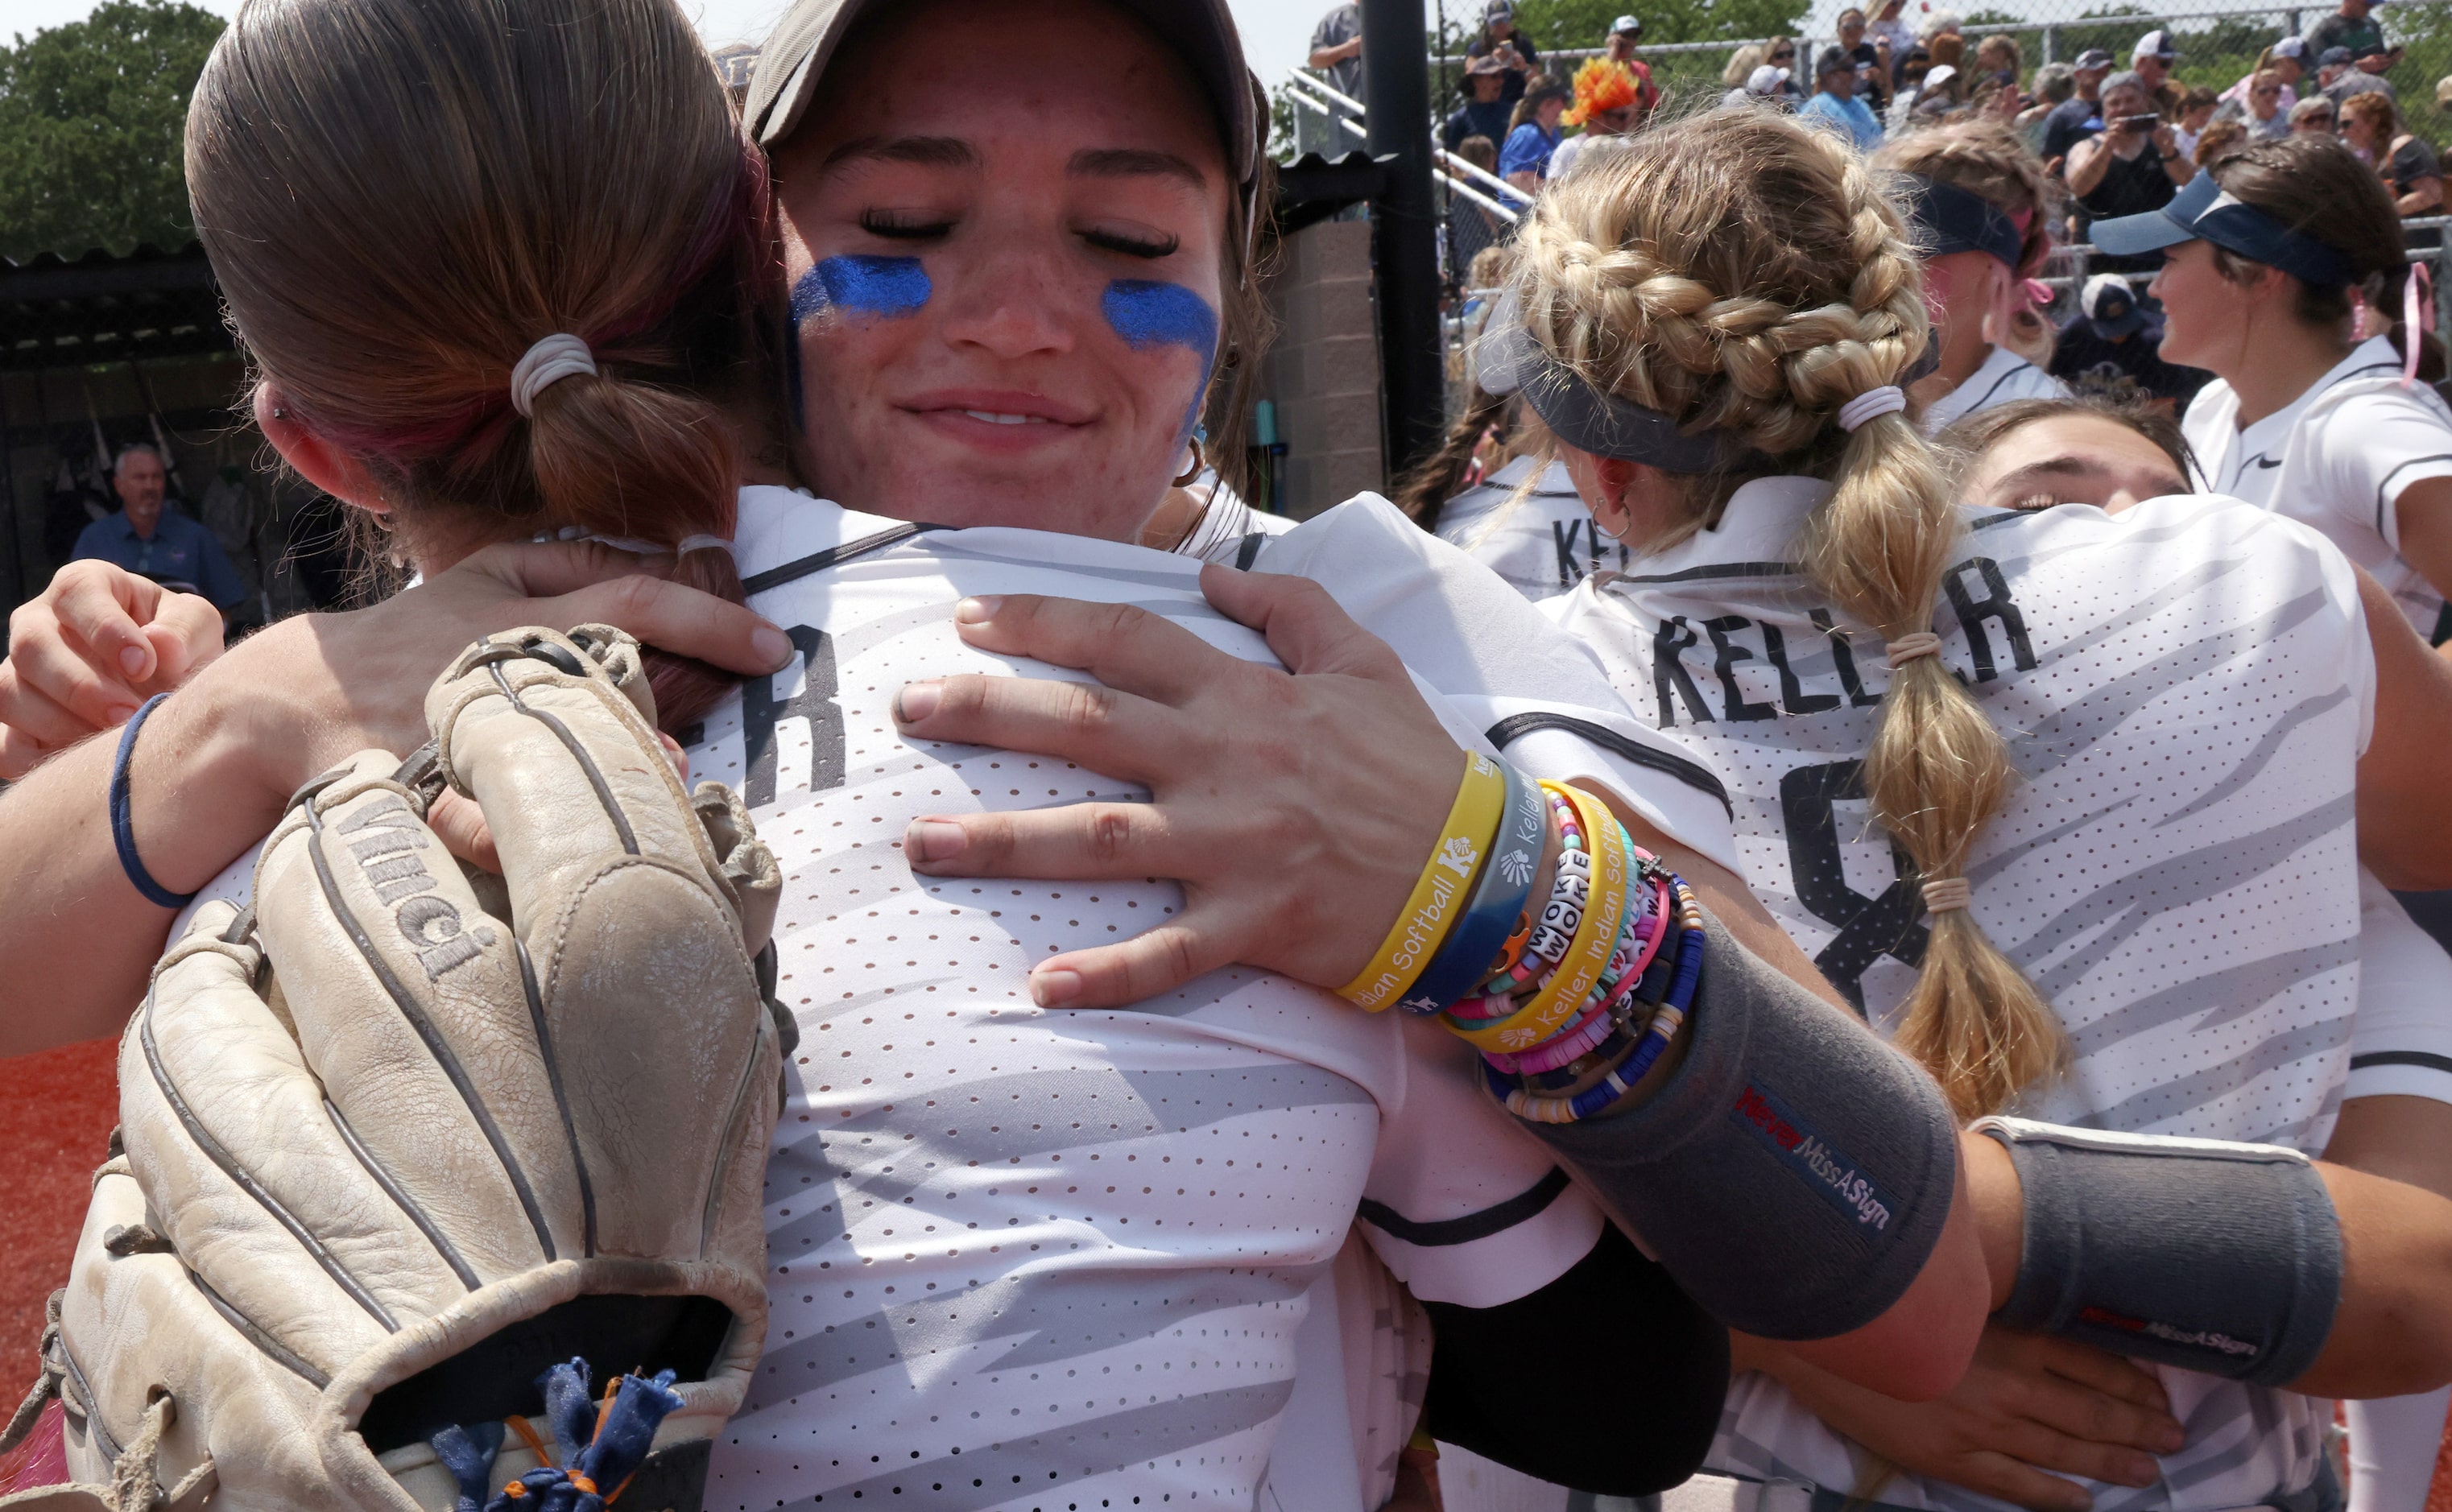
pixel 1588 952
pixel 1471 825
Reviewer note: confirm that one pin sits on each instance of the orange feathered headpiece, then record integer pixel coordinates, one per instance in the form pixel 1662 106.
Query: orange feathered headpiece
pixel 1601 84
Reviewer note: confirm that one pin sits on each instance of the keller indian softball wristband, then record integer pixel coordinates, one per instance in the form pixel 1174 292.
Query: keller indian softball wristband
pixel 1499 901
pixel 123 832
pixel 1464 839
pixel 1595 939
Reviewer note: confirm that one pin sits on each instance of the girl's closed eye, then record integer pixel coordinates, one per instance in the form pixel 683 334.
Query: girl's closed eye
pixel 906 226
pixel 1150 245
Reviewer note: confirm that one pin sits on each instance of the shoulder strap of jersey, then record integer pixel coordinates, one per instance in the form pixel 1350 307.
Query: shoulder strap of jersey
pixel 818 562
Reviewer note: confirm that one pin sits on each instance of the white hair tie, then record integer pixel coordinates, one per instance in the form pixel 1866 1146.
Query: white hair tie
pixel 690 543
pixel 1947 895
pixel 1887 400
pixel 551 360
pixel 1907 648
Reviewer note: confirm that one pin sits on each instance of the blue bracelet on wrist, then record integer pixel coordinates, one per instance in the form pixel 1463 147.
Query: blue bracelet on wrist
pixel 123 833
pixel 1498 898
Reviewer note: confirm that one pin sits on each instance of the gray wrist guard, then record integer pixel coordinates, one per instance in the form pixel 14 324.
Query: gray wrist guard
pixel 2215 1257
pixel 1794 1172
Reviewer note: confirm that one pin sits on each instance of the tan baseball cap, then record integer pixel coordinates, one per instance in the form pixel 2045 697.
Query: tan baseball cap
pixel 1200 31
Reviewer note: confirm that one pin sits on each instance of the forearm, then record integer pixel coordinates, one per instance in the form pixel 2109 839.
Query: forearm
pixel 2388 1171
pixel 77 948
pixel 2404 808
pixel 2084 173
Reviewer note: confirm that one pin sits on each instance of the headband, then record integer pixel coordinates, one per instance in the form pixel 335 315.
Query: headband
pixel 1948 219
pixel 2205 212
pixel 1509 361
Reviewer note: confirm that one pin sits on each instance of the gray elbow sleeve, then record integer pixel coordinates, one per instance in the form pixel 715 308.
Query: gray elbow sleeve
pixel 1793 1173
pixel 2214 1257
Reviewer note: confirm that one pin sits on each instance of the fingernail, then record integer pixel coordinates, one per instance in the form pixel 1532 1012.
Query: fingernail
pixel 917 700
pixel 934 840
pixel 119 714
pixel 132 661
pixel 2172 1441
pixel 977 610
pixel 772 644
pixel 1054 987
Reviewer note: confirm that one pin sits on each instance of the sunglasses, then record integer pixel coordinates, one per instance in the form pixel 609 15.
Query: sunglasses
pixel 1783 57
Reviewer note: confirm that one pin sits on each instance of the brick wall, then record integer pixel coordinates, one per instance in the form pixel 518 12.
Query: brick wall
pixel 1323 375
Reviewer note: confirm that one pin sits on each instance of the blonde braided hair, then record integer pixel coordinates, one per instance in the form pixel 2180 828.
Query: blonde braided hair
pixel 1745 273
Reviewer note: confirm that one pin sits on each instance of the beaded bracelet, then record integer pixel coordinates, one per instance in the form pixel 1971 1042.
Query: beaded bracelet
pixel 1675 1005
pixel 1464 839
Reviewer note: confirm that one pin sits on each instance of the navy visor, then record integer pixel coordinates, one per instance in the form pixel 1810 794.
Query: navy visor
pixel 2202 212
pixel 1948 219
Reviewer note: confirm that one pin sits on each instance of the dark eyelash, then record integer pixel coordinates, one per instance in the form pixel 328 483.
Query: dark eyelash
pixel 880 223
pixel 1112 242
pixel 2037 502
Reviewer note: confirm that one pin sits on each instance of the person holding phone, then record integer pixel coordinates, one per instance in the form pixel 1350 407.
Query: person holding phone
pixel 2132 166
pixel 1499 38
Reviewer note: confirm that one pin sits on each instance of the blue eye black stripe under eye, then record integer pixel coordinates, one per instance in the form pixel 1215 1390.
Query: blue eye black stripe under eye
pixel 889 287
pixel 1149 312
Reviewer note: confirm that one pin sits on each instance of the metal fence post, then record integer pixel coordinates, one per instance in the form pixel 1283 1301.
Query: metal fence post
pixel 2052 44
pixel 1404 231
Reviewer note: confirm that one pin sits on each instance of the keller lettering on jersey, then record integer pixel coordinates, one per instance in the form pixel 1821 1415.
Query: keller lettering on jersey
pixel 1725 645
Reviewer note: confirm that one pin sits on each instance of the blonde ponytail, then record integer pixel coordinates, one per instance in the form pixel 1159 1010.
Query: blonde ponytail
pixel 1744 273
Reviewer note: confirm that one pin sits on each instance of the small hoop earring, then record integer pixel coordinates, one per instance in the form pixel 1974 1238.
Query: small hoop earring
pixel 1199 465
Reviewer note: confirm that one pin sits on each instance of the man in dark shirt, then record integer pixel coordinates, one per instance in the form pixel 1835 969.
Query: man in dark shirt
pixel 2110 348
pixel 2081 115
pixel 2353 27
pixel 153 543
pixel 1337 49
pixel 1483 112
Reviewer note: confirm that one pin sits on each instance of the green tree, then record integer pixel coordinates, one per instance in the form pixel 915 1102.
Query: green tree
pixel 93 121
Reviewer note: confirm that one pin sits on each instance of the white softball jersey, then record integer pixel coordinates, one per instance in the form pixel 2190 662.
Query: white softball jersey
pixel 2003 377
pixel 2185 689
pixel 1541 539
pixel 2336 459
pixel 1058 1259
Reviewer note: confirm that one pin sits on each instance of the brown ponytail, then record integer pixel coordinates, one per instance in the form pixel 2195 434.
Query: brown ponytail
pixel 1428 485
pixel 1745 273
pixel 400 197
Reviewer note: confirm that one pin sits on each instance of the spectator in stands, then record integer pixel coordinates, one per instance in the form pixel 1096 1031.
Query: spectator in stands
pixel 153 541
pixel 1337 49
pixel 1941 96
pixel 1483 113
pixel 2364 74
pixel 1499 38
pixel 1783 55
pixel 2196 113
pixel 1533 134
pixel 2370 126
pixel 1472 229
pixel 2054 86
pixel 2151 60
pixel 1947 49
pixel 2108 348
pixel 1913 73
pixel 1742 64
pixel 2443 93
pixel 2312 116
pixel 1888 25
pixel 2263 111
pixel 2219 141
pixel 2288 61
pixel 1626 32
pixel 1609 101
pixel 2352 27
pixel 2330 64
pixel 2132 166
pixel 1873 76
pixel 2081 115
pixel 1834 103
pixel 1765 89
pixel 1999 58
